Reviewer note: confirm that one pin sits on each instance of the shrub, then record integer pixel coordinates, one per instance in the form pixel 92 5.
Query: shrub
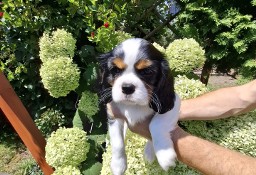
pixel 185 55
pixel 66 147
pixel 107 39
pixel 68 170
pixel 60 76
pixel 248 69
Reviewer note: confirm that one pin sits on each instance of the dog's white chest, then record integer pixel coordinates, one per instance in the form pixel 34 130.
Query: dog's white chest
pixel 135 113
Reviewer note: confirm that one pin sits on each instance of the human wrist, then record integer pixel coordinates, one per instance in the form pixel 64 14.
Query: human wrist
pixel 178 135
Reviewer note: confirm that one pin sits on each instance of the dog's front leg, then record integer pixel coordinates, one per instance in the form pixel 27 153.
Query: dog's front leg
pixel 160 128
pixel 119 160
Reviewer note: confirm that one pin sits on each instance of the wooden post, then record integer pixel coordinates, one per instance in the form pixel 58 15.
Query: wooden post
pixel 22 122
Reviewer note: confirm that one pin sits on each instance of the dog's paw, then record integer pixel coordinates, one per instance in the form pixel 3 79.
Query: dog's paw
pixel 118 165
pixel 166 158
pixel 149 152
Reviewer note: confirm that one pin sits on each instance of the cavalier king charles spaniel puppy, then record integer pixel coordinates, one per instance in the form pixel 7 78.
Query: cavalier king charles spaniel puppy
pixel 137 80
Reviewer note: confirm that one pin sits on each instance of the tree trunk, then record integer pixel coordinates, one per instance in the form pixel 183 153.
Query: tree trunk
pixel 207 68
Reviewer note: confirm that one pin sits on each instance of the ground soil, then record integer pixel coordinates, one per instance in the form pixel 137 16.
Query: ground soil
pixel 221 80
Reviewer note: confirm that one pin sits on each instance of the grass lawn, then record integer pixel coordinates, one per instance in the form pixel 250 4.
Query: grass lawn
pixel 15 159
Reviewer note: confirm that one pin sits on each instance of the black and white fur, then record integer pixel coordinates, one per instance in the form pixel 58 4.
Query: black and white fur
pixel 137 79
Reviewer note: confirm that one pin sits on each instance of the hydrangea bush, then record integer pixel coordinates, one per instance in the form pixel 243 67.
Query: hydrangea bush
pixel 58 72
pixel 60 76
pixel 67 147
pixel 185 55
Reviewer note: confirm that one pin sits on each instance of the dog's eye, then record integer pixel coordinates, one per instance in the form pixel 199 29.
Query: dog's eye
pixel 146 71
pixel 115 70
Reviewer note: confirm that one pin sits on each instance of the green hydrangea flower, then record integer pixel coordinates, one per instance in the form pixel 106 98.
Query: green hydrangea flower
pixel 160 48
pixel 189 88
pixel 60 76
pixel 68 170
pixel 185 55
pixel 89 104
pixel 59 44
pixel 67 147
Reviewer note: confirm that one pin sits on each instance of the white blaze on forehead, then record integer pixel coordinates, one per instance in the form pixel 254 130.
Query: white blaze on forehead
pixel 131 51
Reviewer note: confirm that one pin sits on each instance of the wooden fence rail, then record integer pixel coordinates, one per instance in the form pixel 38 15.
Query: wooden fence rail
pixel 22 122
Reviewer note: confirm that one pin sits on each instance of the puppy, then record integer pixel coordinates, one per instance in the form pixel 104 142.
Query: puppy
pixel 137 80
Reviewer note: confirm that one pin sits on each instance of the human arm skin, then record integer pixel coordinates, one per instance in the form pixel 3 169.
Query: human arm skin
pixel 210 158
pixel 221 103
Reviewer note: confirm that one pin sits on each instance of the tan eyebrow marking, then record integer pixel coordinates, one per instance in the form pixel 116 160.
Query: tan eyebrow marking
pixel 119 63
pixel 142 64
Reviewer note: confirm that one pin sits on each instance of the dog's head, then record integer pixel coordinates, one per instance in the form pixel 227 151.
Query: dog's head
pixel 136 73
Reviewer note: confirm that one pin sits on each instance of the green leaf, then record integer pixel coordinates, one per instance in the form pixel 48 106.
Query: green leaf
pixel 99 139
pixel 79 119
pixel 94 169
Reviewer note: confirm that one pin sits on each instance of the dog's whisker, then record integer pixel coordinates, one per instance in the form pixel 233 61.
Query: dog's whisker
pixel 156 101
pixel 107 89
pixel 104 96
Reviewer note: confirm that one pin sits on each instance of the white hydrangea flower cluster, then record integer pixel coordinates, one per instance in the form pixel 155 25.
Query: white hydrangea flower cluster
pixel 58 72
pixel 159 47
pixel 66 147
pixel 59 44
pixel 68 170
pixel 60 76
pixel 189 88
pixel 185 55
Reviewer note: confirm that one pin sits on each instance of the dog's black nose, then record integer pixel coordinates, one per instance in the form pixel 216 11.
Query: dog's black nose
pixel 128 88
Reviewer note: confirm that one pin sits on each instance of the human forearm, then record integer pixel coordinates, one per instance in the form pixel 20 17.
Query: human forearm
pixel 209 158
pixel 221 103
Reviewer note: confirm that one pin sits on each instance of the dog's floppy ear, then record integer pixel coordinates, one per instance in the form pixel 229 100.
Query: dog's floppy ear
pixel 105 87
pixel 103 62
pixel 164 90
